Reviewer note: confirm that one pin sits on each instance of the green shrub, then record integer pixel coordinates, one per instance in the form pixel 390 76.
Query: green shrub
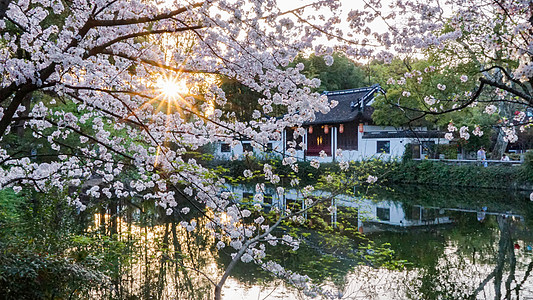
pixel 527 165
pixel 449 151
pixel 408 152
pixel 439 173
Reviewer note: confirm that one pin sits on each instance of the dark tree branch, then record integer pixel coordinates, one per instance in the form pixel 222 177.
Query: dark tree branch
pixel 13 106
pixel 159 17
pixel 157 64
pixel 92 139
pixel 523 86
pixel 102 47
pixel 424 113
pixel 3 8
pixel 504 87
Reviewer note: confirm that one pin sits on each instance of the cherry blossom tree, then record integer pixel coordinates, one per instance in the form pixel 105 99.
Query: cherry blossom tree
pixel 142 76
pixel 494 37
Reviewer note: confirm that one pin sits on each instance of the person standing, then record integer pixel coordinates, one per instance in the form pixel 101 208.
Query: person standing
pixel 482 156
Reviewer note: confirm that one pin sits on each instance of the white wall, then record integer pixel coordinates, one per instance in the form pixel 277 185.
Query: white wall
pixel 237 151
pixel 367 148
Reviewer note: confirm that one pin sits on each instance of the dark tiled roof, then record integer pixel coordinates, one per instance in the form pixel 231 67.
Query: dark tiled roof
pixel 403 134
pixel 353 103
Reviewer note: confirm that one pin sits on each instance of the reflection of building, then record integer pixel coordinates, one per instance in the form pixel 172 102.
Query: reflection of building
pixel 384 212
pixel 398 214
pixel 348 126
pixel 369 214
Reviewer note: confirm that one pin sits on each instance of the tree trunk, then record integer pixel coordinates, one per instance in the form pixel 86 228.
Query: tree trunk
pixel 26 102
pixel 113 215
pixel 499 146
pixel 3 7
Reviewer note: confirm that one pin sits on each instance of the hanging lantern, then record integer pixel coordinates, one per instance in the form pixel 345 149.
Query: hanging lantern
pixel 361 128
pixel 341 128
pixel 326 129
pixel 310 129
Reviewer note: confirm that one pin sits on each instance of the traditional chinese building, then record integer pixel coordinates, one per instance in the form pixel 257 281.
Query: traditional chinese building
pixel 343 126
pixel 349 126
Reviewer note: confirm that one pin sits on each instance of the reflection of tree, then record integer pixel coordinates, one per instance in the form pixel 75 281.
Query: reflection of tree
pixel 506 255
pixel 314 258
pixel 167 261
pixel 431 196
pixel 474 261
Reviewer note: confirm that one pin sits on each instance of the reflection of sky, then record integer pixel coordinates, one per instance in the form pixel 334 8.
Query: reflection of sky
pixel 277 290
pixel 153 270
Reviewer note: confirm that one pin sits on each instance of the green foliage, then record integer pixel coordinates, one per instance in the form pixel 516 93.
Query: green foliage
pixel 10 208
pixel 44 253
pixel 408 152
pixel 241 99
pixel 449 150
pixel 405 102
pixel 341 75
pixel 234 170
pixel 327 177
pixel 437 173
pixel 29 274
pixel 527 165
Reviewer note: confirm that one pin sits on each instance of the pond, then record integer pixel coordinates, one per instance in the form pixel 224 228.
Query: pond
pixel 419 243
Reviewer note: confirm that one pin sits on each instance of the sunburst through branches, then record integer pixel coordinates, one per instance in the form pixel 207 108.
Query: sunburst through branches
pixel 171 88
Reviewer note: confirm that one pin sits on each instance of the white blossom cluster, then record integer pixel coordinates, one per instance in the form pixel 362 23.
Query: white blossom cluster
pixel 510 134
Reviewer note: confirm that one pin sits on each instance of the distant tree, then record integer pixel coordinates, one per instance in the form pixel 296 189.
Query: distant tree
pixel 493 39
pixel 343 73
pixel 242 100
pixel 340 74
pixel 418 90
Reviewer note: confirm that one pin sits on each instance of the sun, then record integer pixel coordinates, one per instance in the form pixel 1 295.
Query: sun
pixel 172 88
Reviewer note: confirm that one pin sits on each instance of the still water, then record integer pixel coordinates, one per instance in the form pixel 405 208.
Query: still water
pixel 418 243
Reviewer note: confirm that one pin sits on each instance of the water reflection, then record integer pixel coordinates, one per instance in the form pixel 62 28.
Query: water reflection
pixel 462 252
pixel 450 252
pixel 469 260
pixel 166 261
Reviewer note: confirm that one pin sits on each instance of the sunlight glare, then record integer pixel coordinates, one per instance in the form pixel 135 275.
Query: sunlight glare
pixel 171 88
pixel 224 218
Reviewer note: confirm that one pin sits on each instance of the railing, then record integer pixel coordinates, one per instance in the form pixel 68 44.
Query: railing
pixel 474 161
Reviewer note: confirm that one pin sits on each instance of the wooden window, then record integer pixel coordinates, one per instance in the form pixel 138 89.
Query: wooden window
pixel 268 199
pixel 247 147
pixel 383 147
pixel 428 147
pixel 347 140
pixel 224 147
pixel 383 213
pixel 293 205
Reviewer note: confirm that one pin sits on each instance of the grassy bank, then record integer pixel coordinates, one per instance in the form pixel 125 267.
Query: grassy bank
pixel 431 173
pixel 442 174
pixel 306 174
